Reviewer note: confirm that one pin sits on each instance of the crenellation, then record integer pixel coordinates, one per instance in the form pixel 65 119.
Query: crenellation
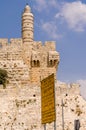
pixel 37 45
pixel 75 88
pixel 50 45
pixel 67 89
pixel 3 42
pixel 17 41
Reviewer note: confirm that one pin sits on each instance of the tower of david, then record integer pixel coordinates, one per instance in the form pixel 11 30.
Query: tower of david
pixel 28 62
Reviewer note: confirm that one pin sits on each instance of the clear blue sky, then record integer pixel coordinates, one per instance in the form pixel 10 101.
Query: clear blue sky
pixel 63 21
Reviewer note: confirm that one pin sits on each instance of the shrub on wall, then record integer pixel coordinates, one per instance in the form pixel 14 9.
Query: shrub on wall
pixel 3 77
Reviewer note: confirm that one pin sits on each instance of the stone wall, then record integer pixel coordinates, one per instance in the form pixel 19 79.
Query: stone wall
pixel 21 109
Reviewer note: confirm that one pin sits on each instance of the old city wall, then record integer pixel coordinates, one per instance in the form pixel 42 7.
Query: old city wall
pixel 21 109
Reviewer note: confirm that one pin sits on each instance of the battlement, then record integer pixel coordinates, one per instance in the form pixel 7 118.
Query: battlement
pixel 4 41
pixel 16 41
pixel 48 45
pixel 67 89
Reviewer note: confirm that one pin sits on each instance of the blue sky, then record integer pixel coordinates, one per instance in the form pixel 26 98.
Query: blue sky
pixel 63 21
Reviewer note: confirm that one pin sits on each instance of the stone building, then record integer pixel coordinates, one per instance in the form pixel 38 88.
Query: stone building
pixel 27 62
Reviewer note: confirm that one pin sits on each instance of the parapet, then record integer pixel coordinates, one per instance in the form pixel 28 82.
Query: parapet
pixel 67 89
pixel 3 42
pixel 75 88
pixel 75 85
pixel 50 45
pixel 16 41
pixel 37 45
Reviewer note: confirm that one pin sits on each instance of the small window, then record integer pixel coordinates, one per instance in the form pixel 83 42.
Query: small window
pixel 35 63
pixel 38 63
pixel 51 62
pixel 55 61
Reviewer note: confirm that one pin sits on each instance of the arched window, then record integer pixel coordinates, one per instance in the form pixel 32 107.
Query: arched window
pixel 34 63
pixel 38 63
pixel 51 62
pixel 55 62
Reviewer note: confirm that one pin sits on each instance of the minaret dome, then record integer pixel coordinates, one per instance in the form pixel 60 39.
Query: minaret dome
pixel 27 9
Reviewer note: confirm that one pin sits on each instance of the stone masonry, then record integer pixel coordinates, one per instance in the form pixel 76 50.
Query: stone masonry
pixel 27 63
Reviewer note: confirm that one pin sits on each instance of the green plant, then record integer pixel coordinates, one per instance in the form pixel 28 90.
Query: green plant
pixel 3 77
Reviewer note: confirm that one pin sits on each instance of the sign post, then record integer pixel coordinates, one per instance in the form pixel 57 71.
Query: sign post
pixel 54 125
pixel 62 115
pixel 44 126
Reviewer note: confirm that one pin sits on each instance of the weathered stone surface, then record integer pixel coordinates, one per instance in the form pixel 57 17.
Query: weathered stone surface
pixel 20 108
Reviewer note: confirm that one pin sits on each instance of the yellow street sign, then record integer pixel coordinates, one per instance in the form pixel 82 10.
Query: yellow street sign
pixel 48 100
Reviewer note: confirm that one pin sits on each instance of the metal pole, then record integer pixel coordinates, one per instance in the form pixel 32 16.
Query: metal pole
pixel 54 125
pixel 44 126
pixel 62 115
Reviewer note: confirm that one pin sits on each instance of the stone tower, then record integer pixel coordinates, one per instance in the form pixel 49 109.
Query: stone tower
pixel 42 60
pixel 27 25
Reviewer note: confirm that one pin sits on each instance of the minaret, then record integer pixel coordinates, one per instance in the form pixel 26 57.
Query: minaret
pixel 27 25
